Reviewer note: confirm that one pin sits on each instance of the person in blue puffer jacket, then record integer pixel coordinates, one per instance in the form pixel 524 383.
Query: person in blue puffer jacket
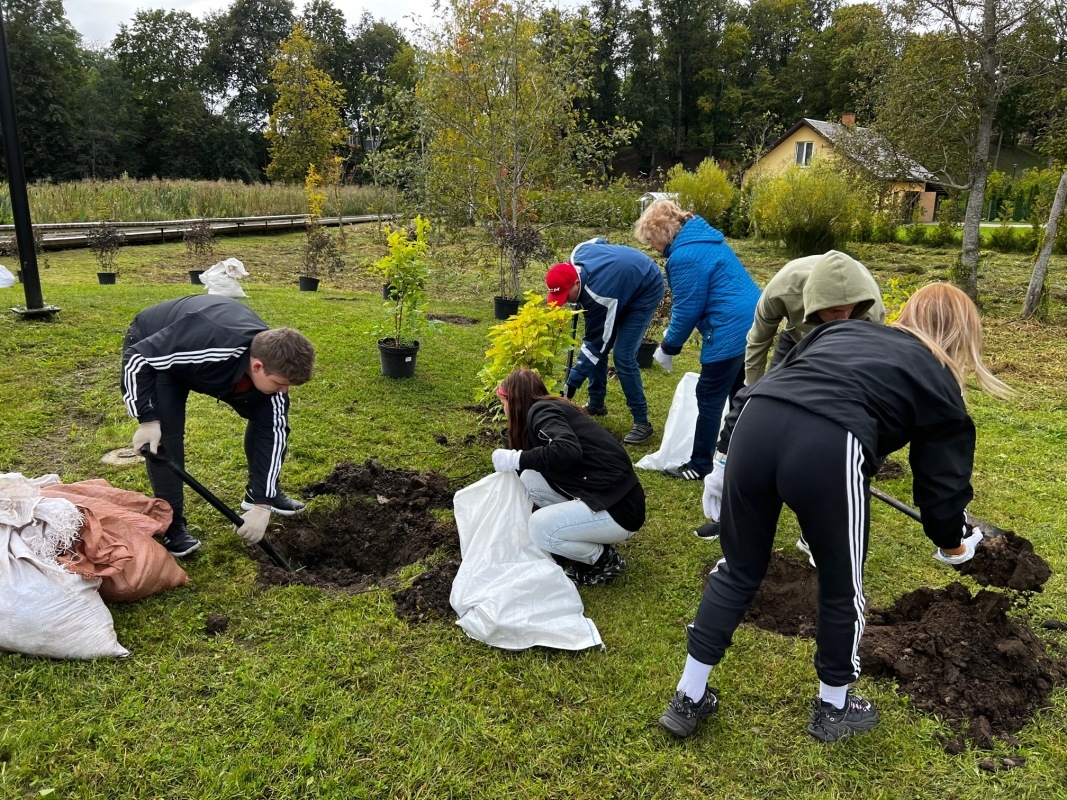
pixel 713 293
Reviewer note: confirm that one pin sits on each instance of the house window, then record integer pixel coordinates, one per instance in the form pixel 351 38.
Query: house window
pixel 804 150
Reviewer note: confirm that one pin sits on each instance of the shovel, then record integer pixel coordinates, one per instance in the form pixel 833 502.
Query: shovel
pixel 988 529
pixel 224 509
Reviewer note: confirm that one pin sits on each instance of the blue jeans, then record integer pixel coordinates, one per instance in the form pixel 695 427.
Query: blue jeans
pixel 568 527
pixel 719 381
pixel 630 328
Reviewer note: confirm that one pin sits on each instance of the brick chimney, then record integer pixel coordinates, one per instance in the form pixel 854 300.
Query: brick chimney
pixel 848 119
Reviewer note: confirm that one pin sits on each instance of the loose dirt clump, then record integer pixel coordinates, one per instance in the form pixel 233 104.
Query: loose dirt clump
pixel 427 597
pixel 384 522
pixel 960 658
pixel 890 470
pixel 1008 561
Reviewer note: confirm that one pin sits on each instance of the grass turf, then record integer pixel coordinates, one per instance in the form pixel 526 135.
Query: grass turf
pixel 319 694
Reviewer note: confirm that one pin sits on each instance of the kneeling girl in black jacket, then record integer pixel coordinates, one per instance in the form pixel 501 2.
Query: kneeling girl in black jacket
pixel 580 478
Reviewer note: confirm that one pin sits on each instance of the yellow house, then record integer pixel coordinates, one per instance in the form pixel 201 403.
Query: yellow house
pixel 906 178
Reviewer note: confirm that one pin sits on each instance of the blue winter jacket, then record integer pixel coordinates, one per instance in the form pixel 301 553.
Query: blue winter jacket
pixel 710 290
pixel 615 278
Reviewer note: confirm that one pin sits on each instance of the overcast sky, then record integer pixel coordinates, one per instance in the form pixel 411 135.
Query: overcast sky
pixel 98 20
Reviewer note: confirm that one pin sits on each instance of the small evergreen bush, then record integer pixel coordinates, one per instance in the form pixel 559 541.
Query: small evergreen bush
pixel 915 234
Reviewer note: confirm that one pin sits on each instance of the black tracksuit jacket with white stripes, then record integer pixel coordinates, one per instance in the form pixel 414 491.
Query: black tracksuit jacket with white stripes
pixel 886 388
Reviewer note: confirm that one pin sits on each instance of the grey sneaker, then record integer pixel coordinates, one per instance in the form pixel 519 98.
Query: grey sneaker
pixel 595 410
pixel 179 542
pixel 640 432
pixel 607 568
pixel 279 504
pixel 709 531
pixel 829 724
pixel 683 714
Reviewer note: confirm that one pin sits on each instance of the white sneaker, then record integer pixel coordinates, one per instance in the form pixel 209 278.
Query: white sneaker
pixel 802 546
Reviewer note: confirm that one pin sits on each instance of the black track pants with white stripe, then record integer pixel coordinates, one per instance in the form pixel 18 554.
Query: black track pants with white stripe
pixel 782 453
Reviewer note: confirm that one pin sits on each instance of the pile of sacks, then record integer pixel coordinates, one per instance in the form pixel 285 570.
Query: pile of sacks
pixel 65 549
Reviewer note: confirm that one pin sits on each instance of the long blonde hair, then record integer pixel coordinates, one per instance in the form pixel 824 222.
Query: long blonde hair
pixel 944 319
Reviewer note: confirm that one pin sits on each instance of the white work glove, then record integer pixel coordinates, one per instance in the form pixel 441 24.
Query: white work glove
pixel 506 460
pixel 969 543
pixel 713 488
pixel 255 525
pixel 147 433
pixel 664 360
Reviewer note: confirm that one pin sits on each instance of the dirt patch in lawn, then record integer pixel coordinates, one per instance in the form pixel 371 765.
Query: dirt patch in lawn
pixel 454 319
pixel 959 657
pixel 384 521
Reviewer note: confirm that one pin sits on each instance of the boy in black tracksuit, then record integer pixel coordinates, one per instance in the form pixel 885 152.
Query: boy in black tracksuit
pixel 811 434
pixel 219 347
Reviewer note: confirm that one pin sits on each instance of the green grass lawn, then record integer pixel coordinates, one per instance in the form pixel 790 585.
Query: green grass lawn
pixel 311 693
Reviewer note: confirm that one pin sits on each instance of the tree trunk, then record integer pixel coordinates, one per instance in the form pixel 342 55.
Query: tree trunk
pixel 1037 279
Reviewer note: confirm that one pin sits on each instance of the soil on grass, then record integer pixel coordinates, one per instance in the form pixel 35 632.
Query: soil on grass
pixel 384 521
pixel 959 657
pixel 1008 561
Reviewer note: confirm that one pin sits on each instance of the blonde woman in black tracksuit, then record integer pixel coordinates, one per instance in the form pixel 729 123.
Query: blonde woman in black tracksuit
pixel 810 434
pixel 587 494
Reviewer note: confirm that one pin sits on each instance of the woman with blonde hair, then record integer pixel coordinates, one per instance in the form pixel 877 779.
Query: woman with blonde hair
pixel 810 434
pixel 712 293
pixel 587 494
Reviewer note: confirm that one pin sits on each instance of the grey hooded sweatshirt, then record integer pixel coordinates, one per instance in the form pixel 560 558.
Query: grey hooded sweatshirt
pixel 801 289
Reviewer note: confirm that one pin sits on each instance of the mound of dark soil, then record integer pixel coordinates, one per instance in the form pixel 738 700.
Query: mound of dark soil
pixel 383 523
pixel 960 658
pixel 1008 561
pixel 963 659
pixel 427 597
pixel 890 470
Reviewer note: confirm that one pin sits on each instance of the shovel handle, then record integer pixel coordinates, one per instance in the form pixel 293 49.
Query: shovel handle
pixel 899 506
pixel 220 506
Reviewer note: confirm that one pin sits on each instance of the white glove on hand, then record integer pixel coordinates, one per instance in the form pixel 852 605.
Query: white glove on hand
pixel 256 519
pixel 147 433
pixel 969 543
pixel 506 460
pixel 664 360
pixel 713 489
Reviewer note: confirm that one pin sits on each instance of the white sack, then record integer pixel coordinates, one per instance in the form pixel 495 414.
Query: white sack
pixel 45 610
pixel 508 592
pixel 221 278
pixel 7 280
pixel 679 430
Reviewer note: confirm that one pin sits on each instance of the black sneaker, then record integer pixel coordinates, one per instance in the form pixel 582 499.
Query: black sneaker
pixel 640 432
pixel 687 472
pixel 683 714
pixel 279 504
pixel 829 724
pixel 179 542
pixel 595 410
pixel 607 568
pixel 709 531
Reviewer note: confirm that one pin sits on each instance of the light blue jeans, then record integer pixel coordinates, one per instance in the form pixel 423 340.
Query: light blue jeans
pixel 567 527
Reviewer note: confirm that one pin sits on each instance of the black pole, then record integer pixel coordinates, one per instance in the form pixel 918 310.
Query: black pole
pixel 16 179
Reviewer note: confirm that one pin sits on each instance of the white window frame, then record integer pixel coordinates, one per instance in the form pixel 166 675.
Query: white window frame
pixel 803 153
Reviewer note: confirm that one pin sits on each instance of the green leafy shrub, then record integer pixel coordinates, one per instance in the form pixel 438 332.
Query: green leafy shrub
pixel 537 337
pixel 738 221
pixel 405 270
pixel 915 233
pixel 810 209
pixel 610 205
pixel 707 191
pixel 942 235
pixel 1002 238
pixel 894 296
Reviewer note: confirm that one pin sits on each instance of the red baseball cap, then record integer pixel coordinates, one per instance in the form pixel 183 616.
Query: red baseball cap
pixel 559 280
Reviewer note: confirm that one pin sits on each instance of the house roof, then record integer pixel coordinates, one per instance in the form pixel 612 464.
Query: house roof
pixel 868 148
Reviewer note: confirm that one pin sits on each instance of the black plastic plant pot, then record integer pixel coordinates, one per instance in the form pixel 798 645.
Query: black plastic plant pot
pixel 308 284
pixel 387 291
pixel 645 351
pixel 106 277
pixel 397 362
pixel 194 277
pixel 505 307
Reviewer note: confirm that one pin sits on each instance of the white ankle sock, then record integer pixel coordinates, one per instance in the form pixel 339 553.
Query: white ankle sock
pixel 694 678
pixel 834 695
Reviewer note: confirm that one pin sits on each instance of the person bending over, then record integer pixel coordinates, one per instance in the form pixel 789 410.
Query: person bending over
pixel 219 347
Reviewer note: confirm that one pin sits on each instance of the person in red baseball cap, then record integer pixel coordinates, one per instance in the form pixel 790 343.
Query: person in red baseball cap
pixel 619 289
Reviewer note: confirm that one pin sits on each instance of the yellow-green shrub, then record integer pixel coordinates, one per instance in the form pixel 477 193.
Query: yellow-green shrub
pixel 707 191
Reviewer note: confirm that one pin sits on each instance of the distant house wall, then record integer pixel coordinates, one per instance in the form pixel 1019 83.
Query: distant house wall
pixel 784 154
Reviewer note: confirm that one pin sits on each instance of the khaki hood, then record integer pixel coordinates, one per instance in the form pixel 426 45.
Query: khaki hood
pixel 838 280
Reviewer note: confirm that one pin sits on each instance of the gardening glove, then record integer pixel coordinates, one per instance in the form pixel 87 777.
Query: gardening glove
pixel 569 391
pixel 664 360
pixel 506 460
pixel 147 433
pixel 255 524
pixel 713 488
pixel 969 543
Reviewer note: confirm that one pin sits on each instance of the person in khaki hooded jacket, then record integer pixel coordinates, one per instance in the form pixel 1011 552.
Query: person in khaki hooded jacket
pixel 807 292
